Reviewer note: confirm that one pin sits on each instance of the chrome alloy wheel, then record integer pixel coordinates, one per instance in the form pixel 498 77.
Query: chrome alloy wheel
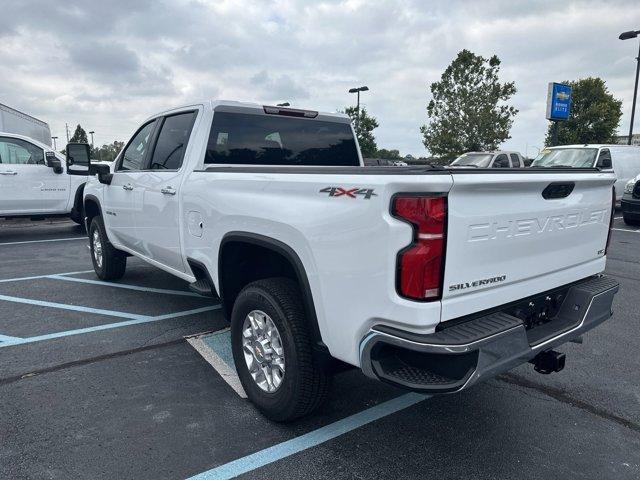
pixel 97 248
pixel 263 352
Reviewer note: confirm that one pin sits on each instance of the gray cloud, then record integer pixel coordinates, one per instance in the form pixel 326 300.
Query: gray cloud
pixel 110 64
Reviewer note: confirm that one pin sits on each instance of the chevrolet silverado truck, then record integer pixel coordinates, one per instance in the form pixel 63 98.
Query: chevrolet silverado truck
pixel 34 182
pixel 427 278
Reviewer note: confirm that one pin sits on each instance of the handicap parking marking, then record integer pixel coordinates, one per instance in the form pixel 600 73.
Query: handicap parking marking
pixel 127 286
pixel 44 241
pixel 108 326
pixel 314 438
pixel 215 348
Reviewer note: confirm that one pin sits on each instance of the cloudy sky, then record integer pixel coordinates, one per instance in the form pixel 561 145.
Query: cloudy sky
pixel 109 64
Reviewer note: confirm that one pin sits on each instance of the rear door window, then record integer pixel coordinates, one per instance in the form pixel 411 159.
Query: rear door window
pixel 515 160
pixel 172 142
pixel 247 139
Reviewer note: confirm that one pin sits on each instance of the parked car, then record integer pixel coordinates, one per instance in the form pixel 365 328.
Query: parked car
pixel 318 260
pixel 34 182
pixel 499 159
pixel 623 159
pixel 631 202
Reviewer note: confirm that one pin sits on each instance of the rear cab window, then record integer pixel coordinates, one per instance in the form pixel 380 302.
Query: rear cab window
pixel 250 139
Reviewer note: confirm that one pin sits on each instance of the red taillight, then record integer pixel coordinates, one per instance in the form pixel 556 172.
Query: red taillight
pixel 421 264
pixel 613 211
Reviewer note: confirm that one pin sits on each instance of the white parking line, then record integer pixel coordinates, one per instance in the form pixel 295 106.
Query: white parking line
pixel 44 241
pixel 215 348
pixel 124 285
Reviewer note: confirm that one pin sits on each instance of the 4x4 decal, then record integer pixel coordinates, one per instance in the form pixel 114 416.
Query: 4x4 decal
pixel 366 193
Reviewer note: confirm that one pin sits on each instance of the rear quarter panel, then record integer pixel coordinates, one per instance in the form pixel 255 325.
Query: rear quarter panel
pixel 347 245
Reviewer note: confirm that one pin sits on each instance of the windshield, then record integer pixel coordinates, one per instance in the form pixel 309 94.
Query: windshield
pixel 479 160
pixel 566 157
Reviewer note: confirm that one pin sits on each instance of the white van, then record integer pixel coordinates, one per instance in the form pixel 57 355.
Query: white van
pixel 624 159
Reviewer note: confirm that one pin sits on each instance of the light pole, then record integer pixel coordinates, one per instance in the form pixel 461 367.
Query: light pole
pixel 54 142
pixel 627 36
pixel 91 133
pixel 364 88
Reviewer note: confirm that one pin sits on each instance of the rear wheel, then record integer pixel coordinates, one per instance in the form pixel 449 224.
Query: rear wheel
pixel 109 263
pixel 272 350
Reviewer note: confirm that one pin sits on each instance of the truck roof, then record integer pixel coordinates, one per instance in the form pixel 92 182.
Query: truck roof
pixel 256 108
pixel 592 145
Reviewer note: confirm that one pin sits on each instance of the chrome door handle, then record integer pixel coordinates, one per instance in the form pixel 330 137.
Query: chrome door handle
pixel 128 186
pixel 8 172
pixel 168 191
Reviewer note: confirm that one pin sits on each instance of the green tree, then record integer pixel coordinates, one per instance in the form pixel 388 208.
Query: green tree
pixel 108 152
pixel 79 136
pixel 467 111
pixel 364 130
pixel 388 154
pixel 595 114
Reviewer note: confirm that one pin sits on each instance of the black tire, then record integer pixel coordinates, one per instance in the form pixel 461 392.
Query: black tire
pixel 78 216
pixel 627 220
pixel 114 262
pixel 304 385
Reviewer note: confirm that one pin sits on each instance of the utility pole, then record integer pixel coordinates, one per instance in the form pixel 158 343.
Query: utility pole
pixel 357 90
pixel 91 133
pixel 54 142
pixel 66 127
pixel 628 36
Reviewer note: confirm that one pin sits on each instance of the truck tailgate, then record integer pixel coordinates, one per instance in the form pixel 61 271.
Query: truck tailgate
pixel 511 235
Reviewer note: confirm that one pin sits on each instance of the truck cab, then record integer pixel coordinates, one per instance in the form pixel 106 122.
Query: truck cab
pixel 34 182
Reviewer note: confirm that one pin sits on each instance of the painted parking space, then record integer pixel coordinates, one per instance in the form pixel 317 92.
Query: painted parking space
pixel 93 395
pixel 84 308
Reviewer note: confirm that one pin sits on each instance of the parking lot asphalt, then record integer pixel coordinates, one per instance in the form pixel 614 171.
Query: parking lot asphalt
pixel 98 381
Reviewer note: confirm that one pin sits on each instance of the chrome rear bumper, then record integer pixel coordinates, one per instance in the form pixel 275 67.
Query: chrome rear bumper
pixel 456 357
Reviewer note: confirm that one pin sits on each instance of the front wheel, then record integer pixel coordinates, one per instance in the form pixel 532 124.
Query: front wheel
pixel 272 350
pixel 629 221
pixel 109 263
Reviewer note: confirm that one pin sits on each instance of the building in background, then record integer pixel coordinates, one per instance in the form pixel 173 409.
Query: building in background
pixel 622 139
pixel 14 121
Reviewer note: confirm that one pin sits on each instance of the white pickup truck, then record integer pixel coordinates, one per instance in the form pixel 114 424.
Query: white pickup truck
pixel 34 182
pixel 430 279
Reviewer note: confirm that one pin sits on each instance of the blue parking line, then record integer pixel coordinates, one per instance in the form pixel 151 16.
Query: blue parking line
pixel 308 440
pixel 109 326
pixel 45 241
pixel 36 277
pixel 124 285
pixel 75 308
pixel 5 338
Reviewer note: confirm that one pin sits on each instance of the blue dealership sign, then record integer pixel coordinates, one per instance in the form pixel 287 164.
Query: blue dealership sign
pixel 558 101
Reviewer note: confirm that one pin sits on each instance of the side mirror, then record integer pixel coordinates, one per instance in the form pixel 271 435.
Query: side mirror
pixel 53 162
pixel 103 170
pixel 78 158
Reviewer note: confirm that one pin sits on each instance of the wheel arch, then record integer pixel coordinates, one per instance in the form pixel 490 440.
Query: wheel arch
pixel 275 258
pixel 92 209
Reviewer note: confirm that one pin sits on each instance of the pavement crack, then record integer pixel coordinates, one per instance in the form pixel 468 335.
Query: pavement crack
pixel 564 397
pixel 87 361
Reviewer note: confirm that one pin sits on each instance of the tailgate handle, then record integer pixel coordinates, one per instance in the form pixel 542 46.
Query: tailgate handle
pixel 558 190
